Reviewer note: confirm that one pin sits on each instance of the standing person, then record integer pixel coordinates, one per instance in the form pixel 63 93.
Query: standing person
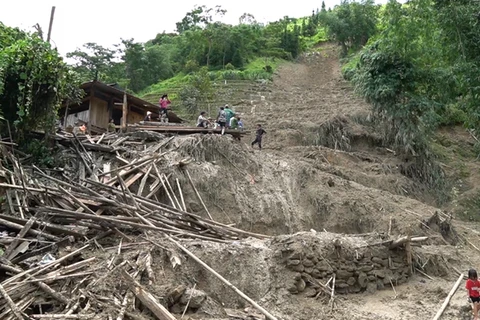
pixel 229 113
pixel 111 126
pixel 202 121
pixel 233 122
pixel 222 119
pixel 164 104
pixel 258 136
pixel 240 124
pixel 473 288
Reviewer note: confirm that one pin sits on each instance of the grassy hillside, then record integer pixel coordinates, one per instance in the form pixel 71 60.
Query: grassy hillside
pixel 259 68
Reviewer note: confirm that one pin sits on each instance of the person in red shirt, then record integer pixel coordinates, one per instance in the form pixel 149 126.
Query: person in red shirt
pixel 164 104
pixel 473 288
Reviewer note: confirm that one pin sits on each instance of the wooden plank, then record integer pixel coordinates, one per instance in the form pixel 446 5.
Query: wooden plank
pixel 181 129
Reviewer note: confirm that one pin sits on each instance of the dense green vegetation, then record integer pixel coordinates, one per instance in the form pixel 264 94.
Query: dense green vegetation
pixel 202 50
pixel 420 71
pixel 201 41
pixel 34 80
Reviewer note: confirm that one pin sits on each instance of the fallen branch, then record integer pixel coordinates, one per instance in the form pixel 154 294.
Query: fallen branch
pixel 447 299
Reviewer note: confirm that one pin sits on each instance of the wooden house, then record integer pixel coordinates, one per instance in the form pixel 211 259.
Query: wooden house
pixel 103 102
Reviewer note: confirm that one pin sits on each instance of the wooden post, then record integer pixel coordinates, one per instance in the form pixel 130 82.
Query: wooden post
pixel 408 251
pixel 66 115
pixel 124 113
pixel 51 24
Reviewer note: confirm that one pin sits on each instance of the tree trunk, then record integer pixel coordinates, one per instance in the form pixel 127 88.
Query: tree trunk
pixel 210 43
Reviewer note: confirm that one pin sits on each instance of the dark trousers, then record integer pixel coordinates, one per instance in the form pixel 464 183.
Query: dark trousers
pixel 258 140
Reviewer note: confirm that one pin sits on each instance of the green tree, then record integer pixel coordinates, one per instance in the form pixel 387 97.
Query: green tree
pixel 198 92
pixel 93 61
pixel 352 23
pixel 199 17
pixel 34 80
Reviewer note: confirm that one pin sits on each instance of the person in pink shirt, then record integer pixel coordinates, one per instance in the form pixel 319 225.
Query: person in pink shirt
pixel 164 104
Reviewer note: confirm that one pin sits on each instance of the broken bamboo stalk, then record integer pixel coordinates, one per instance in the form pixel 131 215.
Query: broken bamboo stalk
pixel 64 316
pixel 11 304
pixel 54 228
pixel 147 299
pixel 424 274
pixel 181 195
pixel 9 252
pixel 188 302
pixel 120 223
pixel 31 231
pixel 75 199
pixel 144 180
pixel 394 291
pixel 198 194
pixel 178 205
pixel 267 314
pixel 447 299
pixel 154 205
pixel 39 269
pixel 332 294
pixel 165 187
pixel 401 241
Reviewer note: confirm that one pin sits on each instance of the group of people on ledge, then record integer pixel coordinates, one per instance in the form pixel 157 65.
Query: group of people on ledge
pixel 226 119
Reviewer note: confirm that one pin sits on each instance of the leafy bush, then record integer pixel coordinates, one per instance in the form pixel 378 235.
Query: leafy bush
pixel 42 155
pixel 452 114
pixel 34 81
pixel 192 66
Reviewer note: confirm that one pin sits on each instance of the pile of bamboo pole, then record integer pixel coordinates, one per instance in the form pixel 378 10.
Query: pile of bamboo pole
pixel 52 227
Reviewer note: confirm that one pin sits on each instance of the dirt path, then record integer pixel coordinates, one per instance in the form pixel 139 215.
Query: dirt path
pixel 303 95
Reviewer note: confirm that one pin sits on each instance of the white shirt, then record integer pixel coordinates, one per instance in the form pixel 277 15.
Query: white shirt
pixel 201 120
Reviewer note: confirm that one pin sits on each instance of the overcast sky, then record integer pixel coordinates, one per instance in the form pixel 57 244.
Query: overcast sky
pixel 106 21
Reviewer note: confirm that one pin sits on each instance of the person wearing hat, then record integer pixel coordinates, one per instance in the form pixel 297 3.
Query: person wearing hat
pixel 148 117
pixel 229 114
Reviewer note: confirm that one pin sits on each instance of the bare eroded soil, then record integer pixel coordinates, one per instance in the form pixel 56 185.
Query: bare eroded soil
pixel 350 186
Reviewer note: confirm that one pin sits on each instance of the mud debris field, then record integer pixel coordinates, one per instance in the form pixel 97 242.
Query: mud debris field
pixel 321 224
